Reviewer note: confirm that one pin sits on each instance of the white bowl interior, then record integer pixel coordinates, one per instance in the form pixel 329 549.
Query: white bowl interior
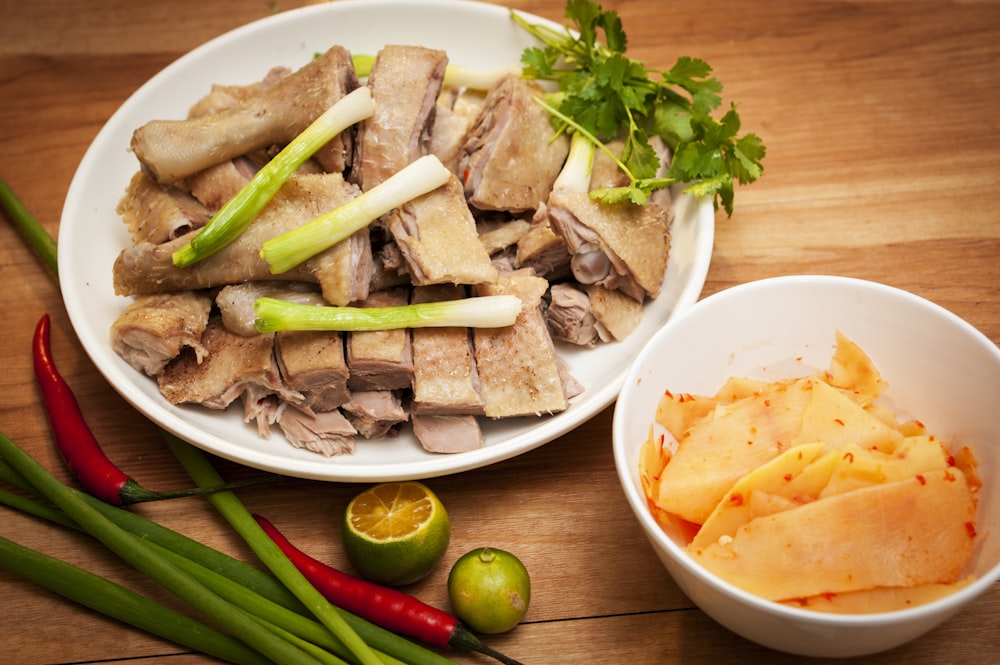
pixel 939 369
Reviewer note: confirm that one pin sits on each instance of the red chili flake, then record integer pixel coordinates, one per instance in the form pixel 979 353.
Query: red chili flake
pixel 920 424
pixel 767 402
pixel 950 477
pixel 736 499
pixel 749 442
pixel 668 394
pixel 839 421
pixel 951 460
pixel 849 457
pixel 788 477
pixel 921 479
pixel 970 528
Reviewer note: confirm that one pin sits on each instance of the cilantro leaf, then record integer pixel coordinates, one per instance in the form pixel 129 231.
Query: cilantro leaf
pixel 607 95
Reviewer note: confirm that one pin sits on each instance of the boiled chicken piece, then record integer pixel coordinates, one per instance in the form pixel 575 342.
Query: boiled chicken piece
pixel 405 82
pixel 157 213
pixel 153 330
pixel 381 359
pixel 232 365
pixel 454 118
pixel 214 186
pixel 569 316
pixel 445 380
pixel 235 302
pixel 519 373
pixel 542 249
pixel 437 238
pixel 498 232
pixel 222 96
pixel 375 413
pixel 342 271
pixel 328 433
pixel 513 154
pixel 313 363
pixel 620 246
pixel 170 150
pixel 447 434
pixel 615 314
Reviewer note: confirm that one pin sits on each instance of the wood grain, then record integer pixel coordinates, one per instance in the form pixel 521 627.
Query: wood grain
pixel 883 163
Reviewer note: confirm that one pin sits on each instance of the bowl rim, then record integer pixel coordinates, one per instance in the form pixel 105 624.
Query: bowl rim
pixel 944 606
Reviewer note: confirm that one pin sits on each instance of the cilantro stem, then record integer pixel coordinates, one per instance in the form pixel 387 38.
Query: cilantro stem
pixel 608 95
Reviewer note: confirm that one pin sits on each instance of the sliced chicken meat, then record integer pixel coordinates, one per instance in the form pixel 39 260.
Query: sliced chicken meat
pixel 447 434
pixel 542 249
pixel 170 150
pixel 328 433
pixel 405 82
pixel 222 96
pixel 235 301
pixel 214 186
pixel 156 213
pixel 375 413
pixel 620 246
pixel 569 316
pixel 313 363
pixel 153 330
pixel 454 118
pixel 231 366
pixel 616 315
pixel 342 271
pixel 381 359
pixel 445 380
pixel 437 238
pixel 519 373
pixel 513 154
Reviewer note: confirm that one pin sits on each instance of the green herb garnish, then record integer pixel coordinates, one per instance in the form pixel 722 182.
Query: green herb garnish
pixel 604 94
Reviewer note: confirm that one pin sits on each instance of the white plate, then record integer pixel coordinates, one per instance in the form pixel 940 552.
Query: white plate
pixel 91 234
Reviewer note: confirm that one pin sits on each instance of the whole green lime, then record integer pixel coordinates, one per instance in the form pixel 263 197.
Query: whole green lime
pixel 489 590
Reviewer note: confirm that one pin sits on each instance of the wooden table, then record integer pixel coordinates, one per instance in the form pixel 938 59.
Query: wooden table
pixel 883 163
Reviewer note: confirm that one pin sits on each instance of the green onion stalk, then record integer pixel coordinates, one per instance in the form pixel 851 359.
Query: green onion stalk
pixel 121 603
pixel 249 587
pixel 234 217
pixel 455 76
pixel 36 235
pixel 139 554
pixel 232 509
pixel 273 314
pixel 291 248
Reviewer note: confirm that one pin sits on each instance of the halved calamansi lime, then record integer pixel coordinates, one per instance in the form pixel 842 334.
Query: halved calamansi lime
pixel 395 533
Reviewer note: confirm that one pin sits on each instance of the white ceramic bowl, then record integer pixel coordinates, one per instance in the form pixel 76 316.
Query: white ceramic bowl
pixel 939 369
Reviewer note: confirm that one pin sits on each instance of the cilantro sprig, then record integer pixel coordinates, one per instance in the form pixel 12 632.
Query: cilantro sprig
pixel 604 94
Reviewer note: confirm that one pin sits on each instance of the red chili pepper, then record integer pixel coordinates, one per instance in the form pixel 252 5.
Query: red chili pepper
pixel 78 446
pixel 390 608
